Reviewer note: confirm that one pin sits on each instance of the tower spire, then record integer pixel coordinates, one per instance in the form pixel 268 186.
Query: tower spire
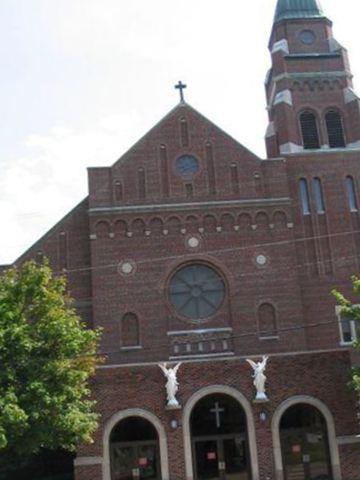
pixel 294 9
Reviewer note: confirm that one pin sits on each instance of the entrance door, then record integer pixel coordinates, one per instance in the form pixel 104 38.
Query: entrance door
pixel 304 444
pixel 134 461
pixel 134 451
pixel 219 439
pixel 207 459
pixel 222 458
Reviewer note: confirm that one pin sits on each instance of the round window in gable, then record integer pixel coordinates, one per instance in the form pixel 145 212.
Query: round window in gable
pixel 187 166
pixel 196 291
pixel 307 37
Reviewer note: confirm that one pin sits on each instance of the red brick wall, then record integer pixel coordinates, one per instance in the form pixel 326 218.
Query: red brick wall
pixel 349 457
pixel 309 374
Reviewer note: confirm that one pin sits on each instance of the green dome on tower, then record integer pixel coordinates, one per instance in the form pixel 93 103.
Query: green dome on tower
pixel 289 9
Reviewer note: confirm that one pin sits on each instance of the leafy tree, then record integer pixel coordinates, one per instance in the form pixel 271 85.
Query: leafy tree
pixel 46 359
pixel 352 311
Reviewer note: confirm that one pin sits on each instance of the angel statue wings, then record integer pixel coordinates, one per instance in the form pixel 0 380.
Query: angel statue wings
pixel 259 377
pixel 172 385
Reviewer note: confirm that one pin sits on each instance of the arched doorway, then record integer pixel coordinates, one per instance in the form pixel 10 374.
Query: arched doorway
pixel 134 450
pixel 305 444
pixel 220 449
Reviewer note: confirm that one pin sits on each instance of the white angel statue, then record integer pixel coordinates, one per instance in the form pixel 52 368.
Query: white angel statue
pixel 172 385
pixel 259 377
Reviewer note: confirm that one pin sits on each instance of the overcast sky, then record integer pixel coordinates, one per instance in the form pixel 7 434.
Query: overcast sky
pixel 82 80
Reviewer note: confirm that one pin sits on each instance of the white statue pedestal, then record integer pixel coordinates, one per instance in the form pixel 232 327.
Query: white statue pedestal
pixel 173 407
pixel 261 400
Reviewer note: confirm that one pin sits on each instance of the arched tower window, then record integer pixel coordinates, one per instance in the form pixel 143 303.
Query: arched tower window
pixel 304 196
pixel 309 130
pixel 318 193
pixel 335 130
pixel 351 194
pixel 267 320
pixel 129 330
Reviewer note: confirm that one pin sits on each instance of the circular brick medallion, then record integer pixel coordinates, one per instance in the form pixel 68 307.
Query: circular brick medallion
pixel 127 267
pixel 261 260
pixel 193 242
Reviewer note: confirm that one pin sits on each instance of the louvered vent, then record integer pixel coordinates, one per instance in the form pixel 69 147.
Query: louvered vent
pixel 309 130
pixel 335 130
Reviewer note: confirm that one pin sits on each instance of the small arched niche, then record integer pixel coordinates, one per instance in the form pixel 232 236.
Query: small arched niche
pixel 129 331
pixel 267 320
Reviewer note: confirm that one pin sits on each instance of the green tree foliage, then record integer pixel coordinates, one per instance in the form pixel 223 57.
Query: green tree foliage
pixel 352 311
pixel 46 359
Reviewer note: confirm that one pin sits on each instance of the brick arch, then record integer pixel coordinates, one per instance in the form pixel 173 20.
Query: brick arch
pixel 243 402
pixel 279 219
pixel 173 225
pixel 262 220
pixel 120 227
pixel 150 417
pixel 245 221
pixel 192 223
pixel 210 223
pixel 227 222
pixel 102 229
pixel 156 225
pixel 336 84
pixel 275 428
pixel 138 226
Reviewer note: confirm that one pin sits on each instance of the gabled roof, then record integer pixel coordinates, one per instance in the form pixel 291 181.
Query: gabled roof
pixel 291 9
pixel 181 107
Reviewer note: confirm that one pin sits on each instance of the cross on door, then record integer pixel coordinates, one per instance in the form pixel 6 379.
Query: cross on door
pixel 217 410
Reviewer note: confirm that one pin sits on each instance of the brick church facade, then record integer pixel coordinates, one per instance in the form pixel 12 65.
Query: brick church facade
pixel 192 249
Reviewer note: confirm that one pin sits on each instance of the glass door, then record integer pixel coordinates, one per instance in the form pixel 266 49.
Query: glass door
pixel 147 462
pixel 235 459
pixel 206 460
pixel 139 461
pixel 306 456
pixel 123 460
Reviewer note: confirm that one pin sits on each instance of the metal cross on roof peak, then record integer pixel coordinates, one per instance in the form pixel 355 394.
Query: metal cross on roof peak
pixel 181 87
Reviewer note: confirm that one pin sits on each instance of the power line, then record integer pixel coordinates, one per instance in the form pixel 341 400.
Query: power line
pixel 224 250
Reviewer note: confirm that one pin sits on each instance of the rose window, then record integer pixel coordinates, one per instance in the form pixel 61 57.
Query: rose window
pixel 197 291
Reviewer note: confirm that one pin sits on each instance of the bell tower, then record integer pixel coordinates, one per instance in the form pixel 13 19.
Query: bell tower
pixel 310 99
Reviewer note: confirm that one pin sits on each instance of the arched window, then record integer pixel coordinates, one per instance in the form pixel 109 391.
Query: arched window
pixel 309 130
pixel 351 194
pixel 319 199
pixel 196 291
pixel 129 331
pixel 335 130
pixel 304 196
pixel 267 320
